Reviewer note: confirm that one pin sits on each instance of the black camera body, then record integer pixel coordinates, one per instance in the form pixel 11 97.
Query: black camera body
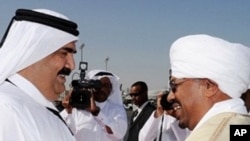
pixel 80 96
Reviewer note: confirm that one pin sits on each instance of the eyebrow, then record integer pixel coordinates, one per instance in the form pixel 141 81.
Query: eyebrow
pixel 70 50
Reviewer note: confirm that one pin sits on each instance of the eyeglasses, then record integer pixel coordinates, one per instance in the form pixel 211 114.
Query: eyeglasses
pixel 134 94
pixel 173 85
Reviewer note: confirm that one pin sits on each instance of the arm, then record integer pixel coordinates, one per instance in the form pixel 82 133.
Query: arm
pixel 114 119
pixel 150 129
pixel 66 114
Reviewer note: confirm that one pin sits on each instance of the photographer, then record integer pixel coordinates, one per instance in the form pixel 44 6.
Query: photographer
pixel 104 118
pixel 162 124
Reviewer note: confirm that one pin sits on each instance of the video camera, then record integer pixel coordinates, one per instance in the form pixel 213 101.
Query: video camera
pixel 80 96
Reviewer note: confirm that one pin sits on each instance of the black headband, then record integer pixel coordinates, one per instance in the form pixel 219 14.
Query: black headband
pixel 33 16
pixel 104 73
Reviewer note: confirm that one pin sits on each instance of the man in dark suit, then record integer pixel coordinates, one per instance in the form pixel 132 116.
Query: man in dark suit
pixel 139 95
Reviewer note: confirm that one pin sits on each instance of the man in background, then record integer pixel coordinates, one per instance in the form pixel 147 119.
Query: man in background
pixel 139 95
pixel 103 118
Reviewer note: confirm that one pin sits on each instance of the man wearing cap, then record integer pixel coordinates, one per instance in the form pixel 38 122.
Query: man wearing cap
pixel 208 76
pixel 36 54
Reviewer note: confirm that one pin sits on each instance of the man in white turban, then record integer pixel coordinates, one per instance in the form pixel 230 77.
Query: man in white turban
pixel 36 54
pixel 105 118
pixel 208 76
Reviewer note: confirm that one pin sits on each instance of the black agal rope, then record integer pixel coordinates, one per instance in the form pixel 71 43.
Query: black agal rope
pixel 42 18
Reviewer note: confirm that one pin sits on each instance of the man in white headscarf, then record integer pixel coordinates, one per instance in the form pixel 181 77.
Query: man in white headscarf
pixel 36 54
pixel 208 76
pixel 105 118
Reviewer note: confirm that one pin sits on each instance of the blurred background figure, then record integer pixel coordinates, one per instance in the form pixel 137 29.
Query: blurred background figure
pixel 139 95
pixel 100 115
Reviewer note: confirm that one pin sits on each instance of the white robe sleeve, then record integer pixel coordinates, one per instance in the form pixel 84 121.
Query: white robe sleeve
pixel 150 129
pixel 69 119
pixel 114 117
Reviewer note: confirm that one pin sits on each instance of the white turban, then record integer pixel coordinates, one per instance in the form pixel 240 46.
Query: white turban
pixel 116 95
pixel 28 42
pixel 203 56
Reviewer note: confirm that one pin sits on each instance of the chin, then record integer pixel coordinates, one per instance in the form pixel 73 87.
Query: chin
pixel 182 125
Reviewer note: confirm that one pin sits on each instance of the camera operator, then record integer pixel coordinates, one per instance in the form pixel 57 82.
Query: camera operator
pixel 104 118
pixel 162 124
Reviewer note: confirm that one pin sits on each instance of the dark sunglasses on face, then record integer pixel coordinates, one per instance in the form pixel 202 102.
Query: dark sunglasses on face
pixel 134 94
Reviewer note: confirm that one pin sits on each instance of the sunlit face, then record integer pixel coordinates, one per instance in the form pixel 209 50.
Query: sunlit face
pixel 188 96
pixel 44 74
pixel 105 91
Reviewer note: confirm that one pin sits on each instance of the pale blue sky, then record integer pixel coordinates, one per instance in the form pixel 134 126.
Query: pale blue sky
pixel 136 34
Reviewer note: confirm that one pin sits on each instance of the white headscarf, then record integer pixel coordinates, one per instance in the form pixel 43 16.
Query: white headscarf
pixel 116 95
pixel 28 42
pixel 204 56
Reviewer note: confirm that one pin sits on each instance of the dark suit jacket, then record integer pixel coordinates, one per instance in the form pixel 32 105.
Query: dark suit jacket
pixel 135 126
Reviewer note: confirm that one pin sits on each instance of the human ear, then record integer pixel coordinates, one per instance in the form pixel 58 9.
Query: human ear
pixel 211 87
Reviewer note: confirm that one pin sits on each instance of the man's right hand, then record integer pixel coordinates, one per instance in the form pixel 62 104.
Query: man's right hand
pixel 65 103
pixel 159 109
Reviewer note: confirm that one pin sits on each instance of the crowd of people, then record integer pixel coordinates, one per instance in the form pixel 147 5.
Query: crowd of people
pixel 209 89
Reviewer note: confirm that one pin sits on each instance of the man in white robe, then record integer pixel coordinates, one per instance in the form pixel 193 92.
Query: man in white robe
pixel 208 76
pixel 110 122
pixel 35 52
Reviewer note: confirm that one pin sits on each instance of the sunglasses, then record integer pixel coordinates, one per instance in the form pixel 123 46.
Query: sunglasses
pixel 134 94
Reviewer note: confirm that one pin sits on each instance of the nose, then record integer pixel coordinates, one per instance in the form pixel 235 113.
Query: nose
pixel 70 61
pixel 170 97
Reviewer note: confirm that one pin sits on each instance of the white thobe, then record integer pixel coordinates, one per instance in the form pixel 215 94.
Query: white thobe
pixel 90 128
pixel 170 129
pixel 24 116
